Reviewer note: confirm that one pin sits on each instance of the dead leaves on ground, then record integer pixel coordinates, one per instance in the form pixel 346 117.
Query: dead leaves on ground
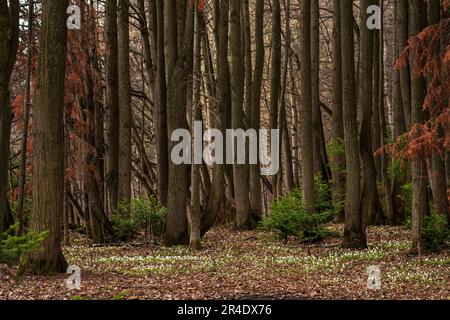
pixel 243 265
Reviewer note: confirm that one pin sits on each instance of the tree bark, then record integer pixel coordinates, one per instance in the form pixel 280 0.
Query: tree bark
pixel 306 101
pixel 195 234
pixel 338 157
pixel 418 167
pixel 255 118
pixel 125 112
pixel 287 173
pixel 370 201
pixel 321 165
pixel 217 199
pixel 402 24
pixel 48 178
pixel 161 109
pixel 247 57
pixel 354 231
pixel 381 133
pixel 9 37
pixel 26 119
pixel 241 173
pixel 178 52
pixel 398 112
pixel 275 78
pixel 112 107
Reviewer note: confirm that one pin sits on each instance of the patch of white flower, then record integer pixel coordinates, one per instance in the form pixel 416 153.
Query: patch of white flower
pixel 147 259
pixel 399 275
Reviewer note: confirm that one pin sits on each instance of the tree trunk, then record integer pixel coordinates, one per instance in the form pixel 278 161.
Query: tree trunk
pixel 255 117
pixel 149 50
pixel 418 167
pixel 241 174
pixel 381 132
pixel 275 78
pixel 195 234
pixel 178 52
pixel 247 41
pixel 26 119
pixel 370 201
pixel 319 149
pixel 48 178
pixel 338 157
pixel 377 95
pixel 162 166
pixel 9 37
pixel 402 23
pixel 285 142
pixel 306 101
pixel 112 107
pixel 125 113
pixel 95 207
pixel 217 200
pixel 354 232
pixel 398 113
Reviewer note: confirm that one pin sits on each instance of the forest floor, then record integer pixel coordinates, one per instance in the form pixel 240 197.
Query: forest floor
pixel 243 265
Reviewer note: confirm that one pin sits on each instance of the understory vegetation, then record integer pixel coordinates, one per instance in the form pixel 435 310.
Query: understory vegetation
pixel 243 265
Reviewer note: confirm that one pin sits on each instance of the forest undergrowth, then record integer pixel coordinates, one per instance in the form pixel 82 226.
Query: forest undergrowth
pixel 243 265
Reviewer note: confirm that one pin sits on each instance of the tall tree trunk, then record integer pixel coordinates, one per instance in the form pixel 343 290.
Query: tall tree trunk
pixel 195 234
pixel 149 42
pixel 418 167
pixel 162 166
pixel 354 232
pixel 255 117
pixel 402 23
pixel 380 114
pixel 338 156
pixel 26 119
pixel 306 101
pixel 285 140
pixel 241 174
pixel 95 203
pixel 9 37
pixel 399 114
pixel 125 113
pixel 112 107
pixel 217 200
pixel 377 95
pixel 370 201
pixel 178 52
pixel 275 78
pixel 248 58
pixel 48 178
pixel 295 101
pixel 209 75
pixel 319 148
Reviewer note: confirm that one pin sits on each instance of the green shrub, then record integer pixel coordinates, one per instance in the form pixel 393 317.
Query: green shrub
pixel 323 197
pixel 288 217
pixel 14 247
pixel 336 147
pixel 124 227
pixel 435 231
pixel 140 215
